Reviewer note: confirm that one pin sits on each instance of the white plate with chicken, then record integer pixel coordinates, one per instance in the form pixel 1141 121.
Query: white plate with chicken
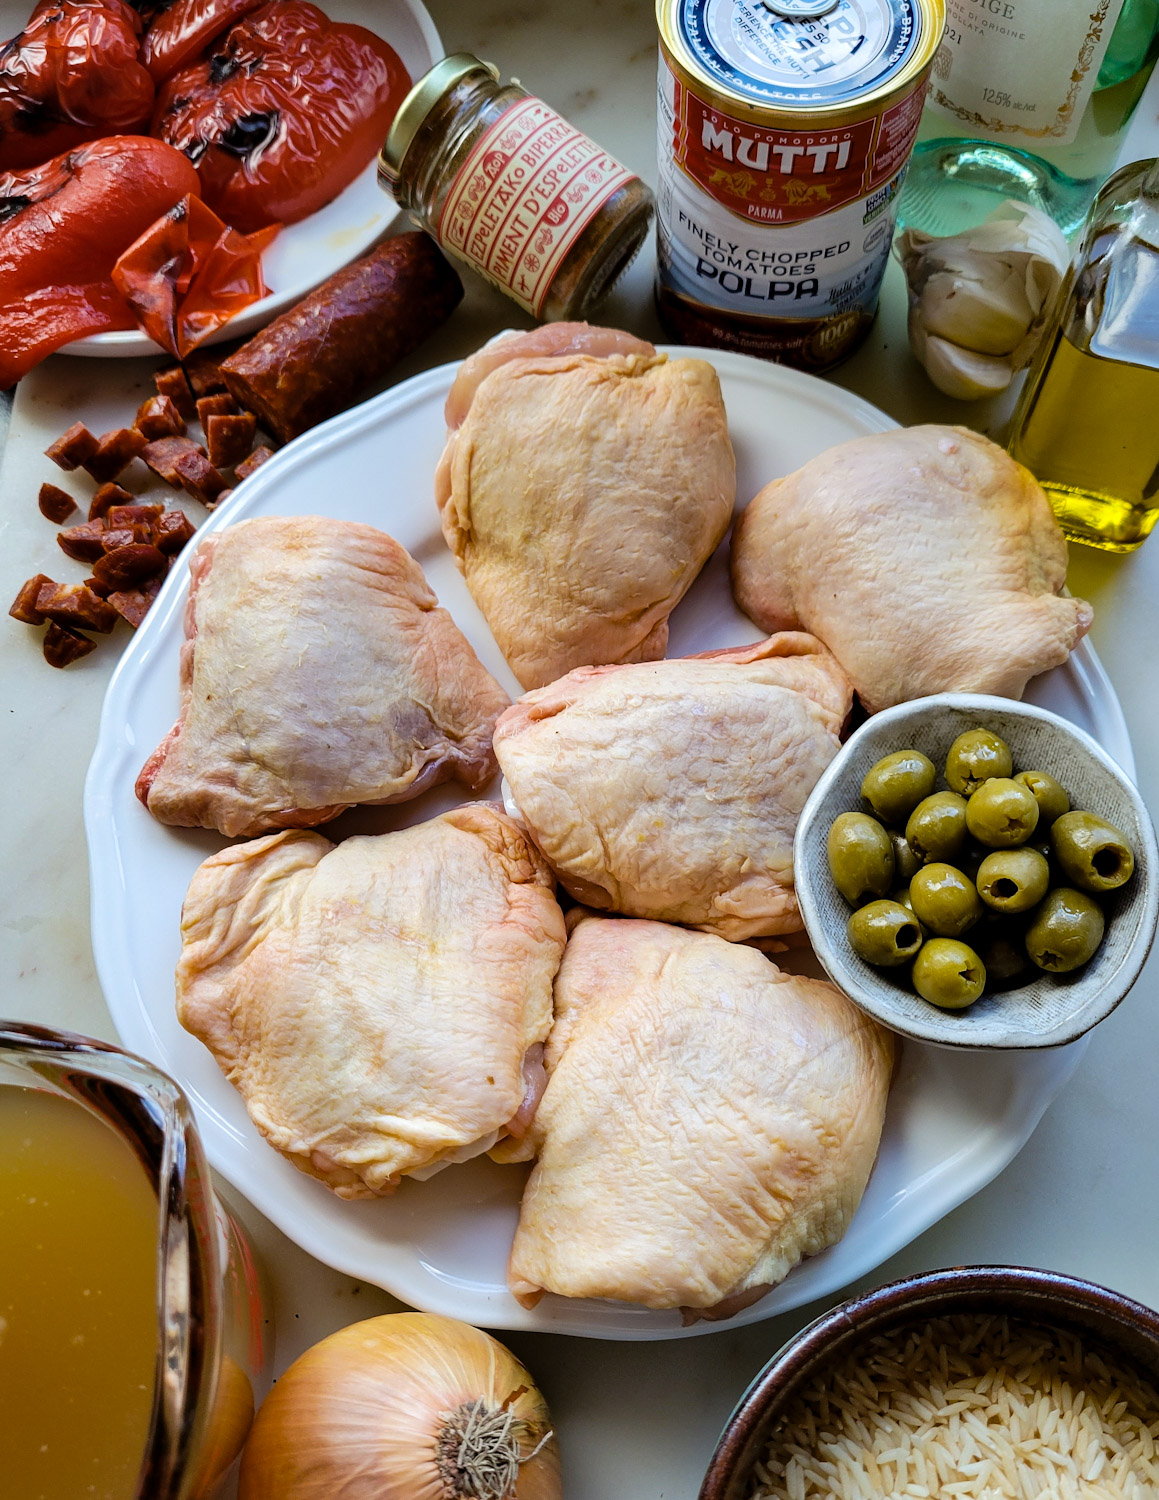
pixel 953 1119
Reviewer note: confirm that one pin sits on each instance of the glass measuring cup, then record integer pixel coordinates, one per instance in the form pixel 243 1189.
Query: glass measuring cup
pixel 213 1352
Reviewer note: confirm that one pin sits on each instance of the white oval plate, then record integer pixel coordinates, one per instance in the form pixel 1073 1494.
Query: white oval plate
pixel 304 254
pixel 955 1119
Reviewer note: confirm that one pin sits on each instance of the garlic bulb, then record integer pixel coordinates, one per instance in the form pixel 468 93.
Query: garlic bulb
pixel 404 1407
pixel 979 300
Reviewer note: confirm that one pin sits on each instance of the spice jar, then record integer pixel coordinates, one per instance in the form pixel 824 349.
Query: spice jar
pixel 505 184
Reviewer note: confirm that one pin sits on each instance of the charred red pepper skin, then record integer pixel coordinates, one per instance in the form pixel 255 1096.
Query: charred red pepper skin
pixel 72 75
pixel 62 227
pixel 183 30
pixel 284 112
pixel 189 273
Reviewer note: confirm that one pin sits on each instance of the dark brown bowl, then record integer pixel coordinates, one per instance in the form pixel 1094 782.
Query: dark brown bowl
pixel 1120 1324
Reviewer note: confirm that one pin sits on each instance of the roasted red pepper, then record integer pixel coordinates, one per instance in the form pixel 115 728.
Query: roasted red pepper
pixel 62 227
pixel 189 273
pixel 285 112
pixel 182 30
pixel 71 75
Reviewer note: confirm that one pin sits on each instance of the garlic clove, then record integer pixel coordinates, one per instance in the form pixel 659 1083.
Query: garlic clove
pixel 989 313
pixel 961 373
pixel 979 300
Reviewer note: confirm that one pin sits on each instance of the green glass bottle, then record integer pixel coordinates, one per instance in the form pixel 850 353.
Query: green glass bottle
pixel 1029 99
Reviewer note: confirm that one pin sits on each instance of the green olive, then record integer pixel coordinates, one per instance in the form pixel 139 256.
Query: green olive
pixel 1002 813
pixel 937 827
pixel 906 863
pixel 1065 931
pixel 944 900
pixel 948 974
pixel 1002 948
pixel 1052 800
pixel 860 857
pixel 1091 852
pixel 884 933
pixel 895 785
pixel 1013 880
pixel 974 757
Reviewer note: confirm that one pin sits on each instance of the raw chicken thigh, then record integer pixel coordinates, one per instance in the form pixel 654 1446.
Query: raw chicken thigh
pixel 925 558
pixel 672 789
pixel 708 1120
pixel 317 672
pixel 582 492
pixel 381 1004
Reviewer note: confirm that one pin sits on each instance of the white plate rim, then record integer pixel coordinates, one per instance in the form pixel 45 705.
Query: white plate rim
pixel 425 1290
pixel 132 343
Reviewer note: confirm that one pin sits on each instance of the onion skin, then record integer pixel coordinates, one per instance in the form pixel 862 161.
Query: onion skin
pixel 358 1416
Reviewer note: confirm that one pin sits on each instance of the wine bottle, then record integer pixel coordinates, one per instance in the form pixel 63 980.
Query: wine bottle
pixel 1029 99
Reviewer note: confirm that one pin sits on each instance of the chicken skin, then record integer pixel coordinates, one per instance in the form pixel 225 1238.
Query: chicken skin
pixel 317 672
pixel 581 494
pixel 708 1121
pixel 672 789
pixel 380 1005
pixel 925 558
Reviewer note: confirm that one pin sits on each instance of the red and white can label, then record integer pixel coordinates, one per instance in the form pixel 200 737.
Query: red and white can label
pixel 529 187
pixel 777 223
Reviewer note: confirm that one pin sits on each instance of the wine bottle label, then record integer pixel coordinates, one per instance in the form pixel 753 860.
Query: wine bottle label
pixel 1021 71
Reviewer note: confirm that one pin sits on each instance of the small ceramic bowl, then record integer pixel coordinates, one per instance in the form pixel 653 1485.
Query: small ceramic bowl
pixel 1050 1010
pixel 1125 1328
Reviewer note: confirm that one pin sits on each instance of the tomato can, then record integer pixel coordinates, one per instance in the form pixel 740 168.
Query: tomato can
pixel 785 132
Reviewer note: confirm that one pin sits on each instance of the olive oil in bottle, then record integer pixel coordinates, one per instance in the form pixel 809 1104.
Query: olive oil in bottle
pixel 1087 425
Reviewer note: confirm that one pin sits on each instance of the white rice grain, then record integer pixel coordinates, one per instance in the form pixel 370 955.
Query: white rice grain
pixel 968 1408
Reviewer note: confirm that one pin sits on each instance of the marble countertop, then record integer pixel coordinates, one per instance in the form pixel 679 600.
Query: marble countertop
pixel 636 1421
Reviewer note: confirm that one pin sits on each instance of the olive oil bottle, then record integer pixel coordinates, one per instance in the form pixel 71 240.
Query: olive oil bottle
pixel 1087 424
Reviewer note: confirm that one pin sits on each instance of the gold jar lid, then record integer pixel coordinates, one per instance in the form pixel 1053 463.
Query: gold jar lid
pixel 418 104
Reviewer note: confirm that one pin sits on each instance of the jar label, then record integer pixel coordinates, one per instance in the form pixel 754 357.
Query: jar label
pixel 1021 70
pixel 774 224
pixel 529 187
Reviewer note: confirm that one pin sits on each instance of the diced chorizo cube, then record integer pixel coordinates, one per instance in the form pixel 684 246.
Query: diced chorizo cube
pixel 82 542
pixel 24 605
pixel 230 438
pixel 62 645
pixel 162 454
pixel 76 605
pixel 102 590
pixel 130 565
pixel 199 478
pixel 115 452
pixel 133 604
pixel 174 383
pixel 221 405
pixel 139 519
pixel 116 537
pixel 73 448
pixel 172 530
pixel 105 498
pixel 134 514
pixel 256 459
pixel 158 417
pixel 55 504
pixel 203 371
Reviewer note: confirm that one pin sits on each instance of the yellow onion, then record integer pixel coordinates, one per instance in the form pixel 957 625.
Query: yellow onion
pixel 404 1407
